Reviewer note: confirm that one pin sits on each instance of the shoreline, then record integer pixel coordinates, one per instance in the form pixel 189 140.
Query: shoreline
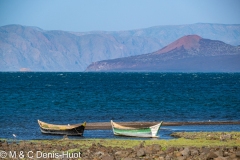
pixel 193 145
pixel 107 125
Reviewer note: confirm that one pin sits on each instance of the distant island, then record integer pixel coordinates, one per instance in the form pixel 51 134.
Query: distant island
pixel 188 54
pixel 25 48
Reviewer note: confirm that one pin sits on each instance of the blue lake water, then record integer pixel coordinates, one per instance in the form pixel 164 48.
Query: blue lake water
pixel 68 98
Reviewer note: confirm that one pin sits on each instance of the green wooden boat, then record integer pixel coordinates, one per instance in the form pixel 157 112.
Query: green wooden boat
pixel 150 132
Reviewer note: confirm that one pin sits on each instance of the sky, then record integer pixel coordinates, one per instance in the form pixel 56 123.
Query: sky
pixel 116 15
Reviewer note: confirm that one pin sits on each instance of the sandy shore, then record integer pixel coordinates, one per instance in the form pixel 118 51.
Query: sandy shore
pixel 107 125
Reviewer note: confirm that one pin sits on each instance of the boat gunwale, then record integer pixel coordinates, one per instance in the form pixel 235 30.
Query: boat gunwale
pixel 59 127
pixel 118 126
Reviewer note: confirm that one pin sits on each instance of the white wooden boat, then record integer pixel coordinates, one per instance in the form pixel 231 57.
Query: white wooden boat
pixel 150 132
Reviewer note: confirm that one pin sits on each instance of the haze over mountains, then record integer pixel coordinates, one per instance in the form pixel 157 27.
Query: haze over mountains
pixel 24 48
pixel 188 54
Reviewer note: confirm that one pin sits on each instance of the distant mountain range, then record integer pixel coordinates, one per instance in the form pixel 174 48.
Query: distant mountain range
pixel 187 54
pixel 24 48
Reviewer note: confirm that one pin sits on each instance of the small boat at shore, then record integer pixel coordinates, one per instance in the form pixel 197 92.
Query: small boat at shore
pixel 150 132
pixel 73 130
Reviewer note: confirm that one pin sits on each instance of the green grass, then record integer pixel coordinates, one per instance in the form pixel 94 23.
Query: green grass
pixel 194 139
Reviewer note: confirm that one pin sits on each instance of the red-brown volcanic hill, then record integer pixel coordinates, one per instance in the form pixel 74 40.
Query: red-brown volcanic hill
pixel 188 54
pixel 187 42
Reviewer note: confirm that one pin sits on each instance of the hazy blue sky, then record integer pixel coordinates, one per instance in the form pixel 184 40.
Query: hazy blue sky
pixel 114 15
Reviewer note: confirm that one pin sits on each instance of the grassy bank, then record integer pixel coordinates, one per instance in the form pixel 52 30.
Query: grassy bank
pixel 131 143
pixel 196 139
pixel 193 145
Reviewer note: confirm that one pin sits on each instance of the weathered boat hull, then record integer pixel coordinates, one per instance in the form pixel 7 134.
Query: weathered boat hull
pixel 133 133
pixel 149 132
pixel 72 130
